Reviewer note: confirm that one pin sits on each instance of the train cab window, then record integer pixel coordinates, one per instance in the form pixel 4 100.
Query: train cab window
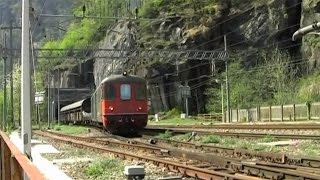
pixel 125 91
pixel 141 92
pixel 110 92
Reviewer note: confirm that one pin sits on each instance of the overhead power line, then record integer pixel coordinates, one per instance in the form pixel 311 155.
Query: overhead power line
pixel 120 53
pixel 98 17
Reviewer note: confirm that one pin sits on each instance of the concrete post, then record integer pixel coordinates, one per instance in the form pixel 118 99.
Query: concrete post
pixel 294 112
pixel 237 114
pixel 25 81
pixel 308 111
pixel 281 112
pixel 270 113
pixel 258 113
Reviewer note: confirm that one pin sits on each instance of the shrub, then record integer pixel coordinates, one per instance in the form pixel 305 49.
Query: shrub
pixel 168 134
pixel 211 139
pixel 243 119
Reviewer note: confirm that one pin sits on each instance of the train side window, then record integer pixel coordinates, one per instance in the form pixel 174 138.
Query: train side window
pixel 125 91
pixel 110 92
pixel 140 92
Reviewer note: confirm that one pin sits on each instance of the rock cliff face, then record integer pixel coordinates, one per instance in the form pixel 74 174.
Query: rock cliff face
pixel 120 36
pixel 249 26
pixel 80 76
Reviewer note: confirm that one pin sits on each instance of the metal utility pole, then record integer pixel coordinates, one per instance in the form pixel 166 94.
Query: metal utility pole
pixel 49 102
pixel 227 82
pixel 52 110
pixel 187 90
pixel 4 122
pixel 11 28
pixel 222 103
pixel 59 97
pixel 11 72
pixel 25 81
pixel 53 99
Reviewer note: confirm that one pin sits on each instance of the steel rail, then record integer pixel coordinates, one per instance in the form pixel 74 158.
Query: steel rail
pixel 231 164
pixel 280 158
pixel 190 171
pixel 302 126
pixel 234 134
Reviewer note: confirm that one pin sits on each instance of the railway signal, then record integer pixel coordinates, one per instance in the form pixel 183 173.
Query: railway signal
pixel 185 93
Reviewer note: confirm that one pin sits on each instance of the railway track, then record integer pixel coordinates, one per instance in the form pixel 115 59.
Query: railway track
pixel 157 130
pixel 279 158
pixel 279 126
pixel 187 170
pixel 228 167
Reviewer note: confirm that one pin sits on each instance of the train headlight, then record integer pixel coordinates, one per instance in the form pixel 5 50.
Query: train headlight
pixel 111 108
pixel 139 109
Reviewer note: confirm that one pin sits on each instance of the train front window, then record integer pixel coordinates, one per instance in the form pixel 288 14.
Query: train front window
pixel 141 92
pixel 110 92
pixel 125 91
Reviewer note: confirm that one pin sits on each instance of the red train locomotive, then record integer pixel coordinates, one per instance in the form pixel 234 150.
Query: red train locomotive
pixel 119 104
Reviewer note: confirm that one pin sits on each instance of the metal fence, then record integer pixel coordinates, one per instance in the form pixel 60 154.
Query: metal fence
pixel 13 164
pixel 293 112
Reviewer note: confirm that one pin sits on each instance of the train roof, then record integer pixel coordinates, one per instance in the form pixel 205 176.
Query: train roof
pixel 74 105
pixel 123 79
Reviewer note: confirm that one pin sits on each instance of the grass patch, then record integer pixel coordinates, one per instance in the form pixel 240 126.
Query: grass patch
pixel 104 169
pixel 259 147
pixel 168 134
pixel 211 139
pixel 229 141
pixel 311 149
pixel 71 130
pixel 268 138
pixel 245 145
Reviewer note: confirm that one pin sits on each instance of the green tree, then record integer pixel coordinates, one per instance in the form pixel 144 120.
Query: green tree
pixel 272 81
pixel 309 88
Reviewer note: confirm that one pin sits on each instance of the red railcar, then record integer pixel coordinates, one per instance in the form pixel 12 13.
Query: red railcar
pixel 119 104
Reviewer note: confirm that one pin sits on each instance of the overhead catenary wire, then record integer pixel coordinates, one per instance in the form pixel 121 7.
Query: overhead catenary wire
pixel 198 85
pixel 236 16
pixel 38 17
pixel 244 54
pixel 295 62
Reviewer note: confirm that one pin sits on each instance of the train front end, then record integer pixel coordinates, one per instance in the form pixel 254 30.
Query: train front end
pixel 124 104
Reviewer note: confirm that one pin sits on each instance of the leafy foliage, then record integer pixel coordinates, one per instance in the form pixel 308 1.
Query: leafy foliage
pixel 166 135
pixel 71 129
pixel 309 88
pixel 78 36
pixel 153 8
pixel 211 139
pixel 312 41
pixel 82 33
pixel 270 82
